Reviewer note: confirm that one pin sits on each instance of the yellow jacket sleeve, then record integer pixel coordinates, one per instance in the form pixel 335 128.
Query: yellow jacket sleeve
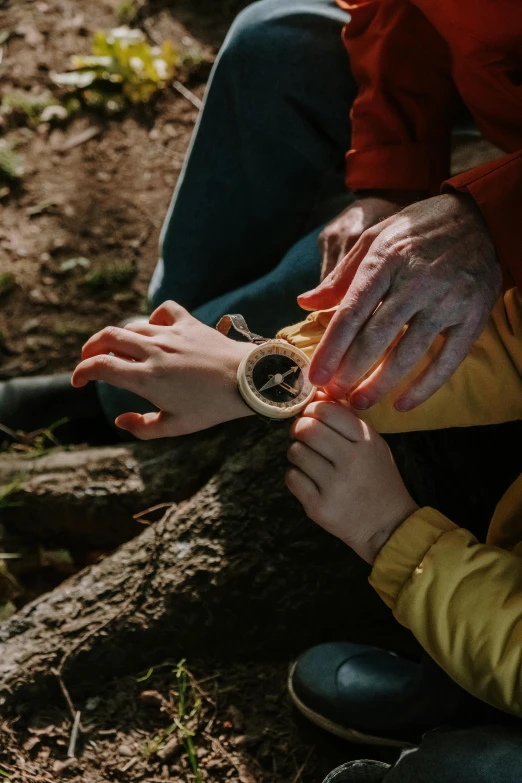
pixel 461 599
pixel 485 389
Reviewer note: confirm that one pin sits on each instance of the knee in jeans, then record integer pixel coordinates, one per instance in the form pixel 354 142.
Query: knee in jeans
pixel 258 33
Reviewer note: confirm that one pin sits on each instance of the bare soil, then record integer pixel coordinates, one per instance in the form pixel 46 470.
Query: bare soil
pixel 104 199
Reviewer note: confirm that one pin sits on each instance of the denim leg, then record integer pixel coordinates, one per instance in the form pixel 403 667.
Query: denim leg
pixel 268 149
pixel 487 754
pixel 269 143
pixel 268 304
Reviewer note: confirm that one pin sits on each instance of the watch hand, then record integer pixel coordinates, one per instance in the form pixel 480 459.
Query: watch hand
pixel 291 370
pixel 288 388
pixel 277 379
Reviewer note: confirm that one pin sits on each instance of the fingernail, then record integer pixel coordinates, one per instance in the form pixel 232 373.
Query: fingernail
pixel 319 377
pixel 403 405
pixel 306 293
pixel 359 401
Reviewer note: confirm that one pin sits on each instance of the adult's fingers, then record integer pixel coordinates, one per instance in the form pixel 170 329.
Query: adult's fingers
pixel 300 485
pixel 111 369
pixel 312 464
pixel 112 339
pixel 400 361
pixel 146 426
pixel 331 290
pixel 368 288
pixel 374 338
pixel 167 313
pixel 458 341
pixel 338 417
pixel 330 249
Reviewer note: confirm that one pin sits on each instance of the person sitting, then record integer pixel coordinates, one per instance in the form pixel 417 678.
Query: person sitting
pixel 462 599
pixel 263 182
pixel 267 176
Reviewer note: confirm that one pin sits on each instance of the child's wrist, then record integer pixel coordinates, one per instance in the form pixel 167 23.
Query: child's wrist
pixel 383 535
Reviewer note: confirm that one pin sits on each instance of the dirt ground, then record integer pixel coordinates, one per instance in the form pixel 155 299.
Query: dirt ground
pixel 244 731
pixel 104 200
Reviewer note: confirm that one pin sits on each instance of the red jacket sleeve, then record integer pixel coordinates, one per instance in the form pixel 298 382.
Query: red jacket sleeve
pixel 401 118
pixel 497 189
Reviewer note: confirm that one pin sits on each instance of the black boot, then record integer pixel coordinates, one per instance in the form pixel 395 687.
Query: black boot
pixel 375 697
pixel 31 404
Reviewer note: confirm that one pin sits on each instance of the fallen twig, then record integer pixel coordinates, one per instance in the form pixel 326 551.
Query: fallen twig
pixel 71 752
pixel 130 764
pixel 57 673
pixel 140 514
pixel 302 768
pixel 231 758
pixel 195 101
pixel 80 138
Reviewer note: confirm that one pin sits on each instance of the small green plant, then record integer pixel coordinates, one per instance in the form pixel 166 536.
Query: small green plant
pixel 122 69
pixel 189 707
pixel 110 276
pixel 184 716
pixel 128 11
pixel 7 283
pixel 45 439
pixel 7 490
pixel 27 105
pixel 34 444
pixel 11 162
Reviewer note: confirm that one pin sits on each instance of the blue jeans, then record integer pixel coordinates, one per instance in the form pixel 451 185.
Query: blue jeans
pixel 267 152
pixel 486 754
pixel 264 172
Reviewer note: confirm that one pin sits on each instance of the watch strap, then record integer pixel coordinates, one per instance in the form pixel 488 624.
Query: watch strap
pixel 266 419
pixel 237 322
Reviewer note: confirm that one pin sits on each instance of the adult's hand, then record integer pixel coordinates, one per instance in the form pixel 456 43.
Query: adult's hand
pixel 341 234
pixel 432 267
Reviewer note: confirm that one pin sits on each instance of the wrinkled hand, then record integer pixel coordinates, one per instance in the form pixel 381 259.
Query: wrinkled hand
pixel 341 234
pixel 431 266
pixel 344 475
pixel 186 369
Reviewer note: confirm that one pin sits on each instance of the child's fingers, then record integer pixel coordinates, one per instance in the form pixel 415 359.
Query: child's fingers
pixel 319 437
pixel 145 426
pixel 321 396
pixel 122 342
pixel 338 417
pixel 305 490
pixel 312 464
pixel 167 314
pixel 111 369
pixel 146 329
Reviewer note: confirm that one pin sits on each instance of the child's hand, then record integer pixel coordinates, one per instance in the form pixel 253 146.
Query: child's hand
pixel 346 479
pixel 186 369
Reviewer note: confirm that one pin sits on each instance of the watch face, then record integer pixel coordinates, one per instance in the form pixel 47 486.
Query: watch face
pixel 278 375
